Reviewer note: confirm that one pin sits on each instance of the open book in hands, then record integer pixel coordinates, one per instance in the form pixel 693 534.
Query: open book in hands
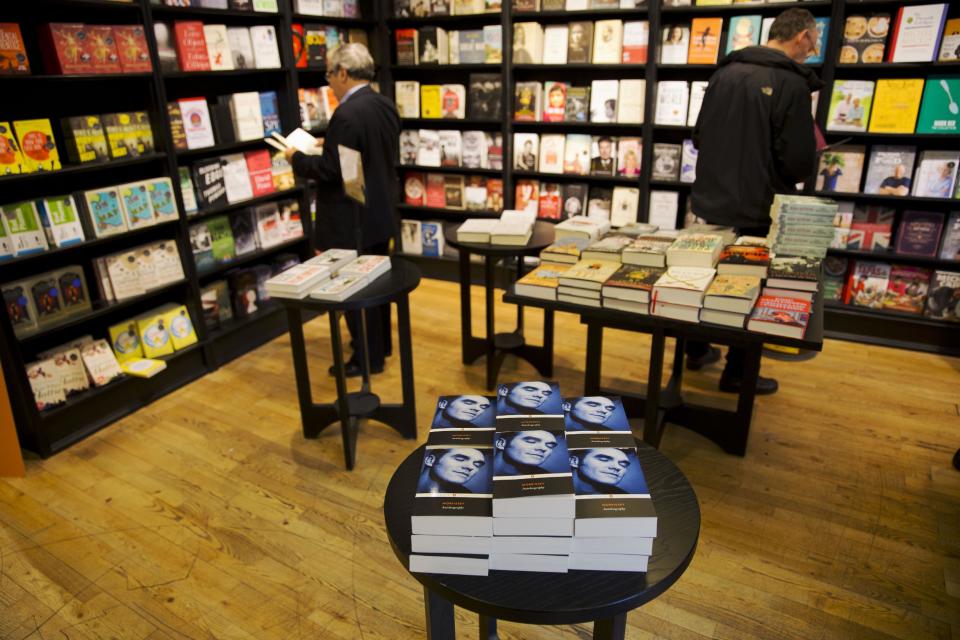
pixel 298 139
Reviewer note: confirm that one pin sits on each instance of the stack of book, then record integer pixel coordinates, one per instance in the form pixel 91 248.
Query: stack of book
pixel 630 288
pixel 679 292
pixel 514 228
pixel 349 272
pixel 608 248
pixel 297 281
pixel 785 303
pixel 533 499
pixel 452 521
pixel 564 251
pixel 583 282
pixel 334 259
pixel 801 225
pixel 582 227
pixel 647 251
pixel 542 282
pixel 729 300
pixel 615 521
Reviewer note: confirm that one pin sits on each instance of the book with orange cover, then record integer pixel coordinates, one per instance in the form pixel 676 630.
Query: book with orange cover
pixel 704 40
pixel 13 55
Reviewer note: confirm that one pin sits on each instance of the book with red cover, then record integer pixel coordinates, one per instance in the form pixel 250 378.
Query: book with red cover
pixel 260 168
pixel 554 101
pixel 907 288
pixel 549 202
pixel 779 315
pixel 101 49
pixel 744 260
pixel 61 46
pixel 871 228
pixel 436 191
pixel 414 189
pixel 494 195
pixel 299 46
pixel 191 45
pixel 132 48
pixel 919 233
pixel 526 195
pixel 13 55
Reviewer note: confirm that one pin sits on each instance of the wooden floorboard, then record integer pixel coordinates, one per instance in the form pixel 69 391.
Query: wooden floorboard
pixel 207 515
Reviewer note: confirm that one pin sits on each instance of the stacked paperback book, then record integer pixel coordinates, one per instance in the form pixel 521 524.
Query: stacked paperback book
pixel 513 228
pixel 332 276
pixel 528 482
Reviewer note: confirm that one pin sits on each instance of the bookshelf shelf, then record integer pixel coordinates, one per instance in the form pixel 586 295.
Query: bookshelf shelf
pixel 445 68
pixel 198 13
pixel 234 325
pixel 447 22
pixel 576 16
pixel 334 20
pixel 629 69
pixel 224 147
pixel 920 67
pixel 80 169
pixel 464 170
pixel 447 213
pixel 248 258
pixel 232 73
pixel 891 257
pixel 891 200
pixel 622 127
pixel 951 138
pixel 744 8
pixel 73 78
pixel 672 127
pixel 98 5
pixel 450 123
pixel 102 311
pixel 227 208
pixel 903 316
pixel 673 184
pixel 574 177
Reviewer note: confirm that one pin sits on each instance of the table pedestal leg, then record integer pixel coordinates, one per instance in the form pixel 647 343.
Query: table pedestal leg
pixel 591 369
pixel 440 623
pixel 301 370
pixel 488 628
pixel 347 425
pixel 466 331
pixel 651 419
pixel 610 628
pixel 493 363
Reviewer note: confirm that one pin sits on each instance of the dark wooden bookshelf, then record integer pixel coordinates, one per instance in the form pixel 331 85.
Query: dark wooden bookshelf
pixel 223 148
pixel 227 73
pixel 897 258
pixel 576 177
pixel 249 258
pixel 445 213
pixel 622 128
pixel 457 170
pixel 555 17
pixel 243 204
pixel 765 9
pixel 464 124
pixel 359 23
pixel 72 78
pixel 909 201
pixel 443 68
pixel 213 15
pixel 472 20
pixel 70 170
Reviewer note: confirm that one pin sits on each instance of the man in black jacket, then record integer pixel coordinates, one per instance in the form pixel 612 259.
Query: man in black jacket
pixel 369 123
pixel 755 137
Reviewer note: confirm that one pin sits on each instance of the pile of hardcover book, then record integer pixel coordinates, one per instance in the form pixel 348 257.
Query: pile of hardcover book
pixel 334 275
pixel 801 225
pixel 528 482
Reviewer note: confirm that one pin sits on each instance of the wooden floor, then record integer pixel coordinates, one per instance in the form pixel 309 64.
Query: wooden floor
pixel 207 515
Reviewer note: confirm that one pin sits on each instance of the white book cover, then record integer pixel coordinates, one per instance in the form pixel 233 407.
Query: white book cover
pixel 525 151
pixel 408 98
pixel 196 123
pixel 576 154
pixel 61 219
pixel 370 266
pixel 474 150
pixel 124 274
pixel 308 7
pixel 24 228
pixel 603 100
pixel 555 44
pixel 630 102
pixel 339 287
pixel 918 32
pixel 688 162
pixel 936 174
pixel 266 53
pixel 551 152
pixel 577 5
pixel 451 143
pixel 607 41
pixel 527 43
pixel 218 47
pixel 663 209
pixel 428 155
pixel 626 203
pixel 100 362
pixel 334 259
pixel 674 43
pixel 453 101
pixel 765 30
pixel 246 115
pixel 165 257
pixel 636 40
pixel 269 226
pixel 411 238
pixel 236 178
pixel 686 278
pixel 672 98
pixel 697 90
pixel 241 49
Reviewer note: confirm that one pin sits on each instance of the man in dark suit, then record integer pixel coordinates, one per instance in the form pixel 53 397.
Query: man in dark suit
pixel 369 123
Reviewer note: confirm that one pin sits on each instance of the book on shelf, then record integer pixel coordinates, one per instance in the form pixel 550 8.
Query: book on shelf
pixel 624 206
pixel 666 162
pixel 663 208
pixel 938 108
pixel 484 96
pixel 871 228
pixel 674 44
pixel 555 38
pixel 698 89
pixel 527 43
pixel 13 53
pixel 599 203
pixel 607 42
pixel 672 101
pixel 636 38
pixel 916 33
pixel 840 169
pixel 950 246
pixel 864 38
pixel 867 284
pixel 38 149
pixel 603 100
pixel 890 170
pixel 431 234
pixel 580 43
pixel 704 45
pixel 918 233
pixel 896 103
pixel 950 44
pixel 936 174
pixel 744 32
pixel 453 101
pixel 850 104
pixel 528 102
pixel 907 288
pixel 820 46
pixel 943 299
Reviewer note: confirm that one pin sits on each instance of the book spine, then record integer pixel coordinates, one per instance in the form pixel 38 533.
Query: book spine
pixel 891 52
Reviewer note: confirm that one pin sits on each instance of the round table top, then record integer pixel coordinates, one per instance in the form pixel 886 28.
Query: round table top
pixel 543 236
pixel 403 277
pixel 558 598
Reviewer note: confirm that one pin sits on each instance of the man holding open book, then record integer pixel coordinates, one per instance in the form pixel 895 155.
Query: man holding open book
pixel 367 122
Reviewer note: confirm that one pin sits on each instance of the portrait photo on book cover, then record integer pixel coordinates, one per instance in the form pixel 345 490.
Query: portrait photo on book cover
pixel 464 412
pixel 595 413
pixel 456 470
pixel 606 470
pixel 529 398
pixel 523 453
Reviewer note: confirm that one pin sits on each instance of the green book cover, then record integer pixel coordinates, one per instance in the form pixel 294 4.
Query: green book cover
pixel 221 238
pixel 26 232
pixel 269 6
pixel 940 109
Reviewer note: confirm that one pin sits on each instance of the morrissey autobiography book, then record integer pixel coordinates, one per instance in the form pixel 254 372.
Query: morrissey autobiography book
pixel 464 412
pixel 595 414
pixel 530 399
pixel 531 472
pixel 454 491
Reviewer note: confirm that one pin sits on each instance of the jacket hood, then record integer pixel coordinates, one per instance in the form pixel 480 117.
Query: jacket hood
pixel 767 57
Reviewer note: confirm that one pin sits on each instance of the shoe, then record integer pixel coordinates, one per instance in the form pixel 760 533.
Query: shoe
pixel 699 362
pixel 956 460
pixel 354 370
pixel 765 386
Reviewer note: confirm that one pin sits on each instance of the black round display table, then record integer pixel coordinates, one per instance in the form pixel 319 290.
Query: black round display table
pixel 603 597
pixel 495 345
pixel 393 286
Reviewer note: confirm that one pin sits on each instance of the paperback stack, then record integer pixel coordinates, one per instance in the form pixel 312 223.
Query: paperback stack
pixel 785 302
pixel 297 282
pixel 533 502
pixel 801 225
pixel 615 521
pixel 582 227
pixel 647 251
pixel 371 267
pixel 729 300
pixel 514 228
pixel 476 230
pixel 582 283
pixel 679 293
pixel 452 520
pixel 608 248
pixel 695 250
pixel 333 259
pixel 542 282
pixel 630 287
pixel 793 277
pixel 564 250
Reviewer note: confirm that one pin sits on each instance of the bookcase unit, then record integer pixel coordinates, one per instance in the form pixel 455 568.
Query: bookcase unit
pixel 876 326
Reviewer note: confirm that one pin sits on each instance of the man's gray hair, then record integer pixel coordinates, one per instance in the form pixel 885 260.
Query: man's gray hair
pixel 791 22
pixel 354 58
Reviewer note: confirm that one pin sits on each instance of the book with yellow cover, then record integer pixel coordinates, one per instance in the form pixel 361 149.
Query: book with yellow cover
pixel 704 40
pixel 180 326
pixel 542 282
pixel 154 335
pixel 589 274
pixel 37 145
pixel 125 341
pixel 430 106
pixel 143 367
pixel 713 3
pixel 10 157
pixel 896 103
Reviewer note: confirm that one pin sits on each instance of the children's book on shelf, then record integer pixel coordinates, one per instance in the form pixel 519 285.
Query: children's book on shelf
pixel 38 149
pixel 104 212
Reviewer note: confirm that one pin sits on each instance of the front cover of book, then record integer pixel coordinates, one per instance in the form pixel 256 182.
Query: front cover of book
pixel 464 412
pixel 595 413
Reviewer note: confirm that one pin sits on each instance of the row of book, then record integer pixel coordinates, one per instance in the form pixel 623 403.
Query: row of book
pixel 191 45
pixel 554 201
pixel 890 171
pixel 608 101
pixel 312 43
pixel 329 8
pixel 334 275
pixel 242 293
pixel 934 293
pixel 919 233
pixel 35 226
pixel 420 9
pixel 674 162
pixel 916 34
pixel 433 45
pixel 221 239
pixel 895 105
pixel 700 41
pixel 531 481
pixel 600 42
pixel 451 148
pixel 233 178
pixel 249 115
pixel 69 49
pixel 29 146
pixel 134 272
pixel 153 334
pixel 316 106
pixel 263 6
pixel 577 154
pixel 451 101
pixel 451 191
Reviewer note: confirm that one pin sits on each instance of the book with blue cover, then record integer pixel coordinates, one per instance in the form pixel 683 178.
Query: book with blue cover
pixel 595 413
pixel 270 111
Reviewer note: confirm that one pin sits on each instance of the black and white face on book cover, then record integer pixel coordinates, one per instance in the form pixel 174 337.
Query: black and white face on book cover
pixel 595 413
pixel 458 471
pixel 464 412
pixel 529 398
